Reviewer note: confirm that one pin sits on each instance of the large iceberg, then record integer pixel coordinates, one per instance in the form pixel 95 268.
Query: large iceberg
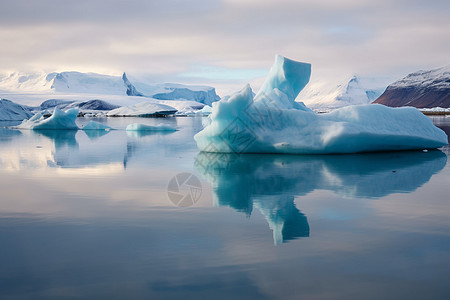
pixel 273 122
pixel 58 120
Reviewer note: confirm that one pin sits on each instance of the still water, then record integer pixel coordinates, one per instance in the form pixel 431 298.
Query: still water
pixel 85 215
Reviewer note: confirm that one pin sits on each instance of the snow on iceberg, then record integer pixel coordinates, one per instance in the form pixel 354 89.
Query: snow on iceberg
pixel 273 122
pixel 143 127
pixel 143 109
pixel 59 120
pixel 183 107
pixel 93 125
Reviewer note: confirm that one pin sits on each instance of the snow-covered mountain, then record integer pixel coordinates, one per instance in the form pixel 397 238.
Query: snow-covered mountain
pixel 92 83
pixel 173 91
pixel 64 82
pixel 10 111
pixel 422 89
pixel 325 95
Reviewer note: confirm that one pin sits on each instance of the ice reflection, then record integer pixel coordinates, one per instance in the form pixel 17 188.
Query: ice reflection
pixel 8 134
pixel 95 134
pixel 270 182
pixel 60 138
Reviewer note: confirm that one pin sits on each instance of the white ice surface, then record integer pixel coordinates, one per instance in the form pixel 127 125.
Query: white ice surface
pixel 147 108
pixel 88 86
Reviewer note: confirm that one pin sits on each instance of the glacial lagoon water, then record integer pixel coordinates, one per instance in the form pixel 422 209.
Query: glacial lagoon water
pixel 90 215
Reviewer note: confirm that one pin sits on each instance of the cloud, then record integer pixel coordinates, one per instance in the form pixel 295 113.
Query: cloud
pixel 179 37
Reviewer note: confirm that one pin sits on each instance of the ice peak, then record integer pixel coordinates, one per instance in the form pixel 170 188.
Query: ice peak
pixel 288 76
pixel 131 89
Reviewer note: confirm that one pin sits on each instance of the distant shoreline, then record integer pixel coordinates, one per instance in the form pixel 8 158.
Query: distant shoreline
pixel 435 113
pixel 425 111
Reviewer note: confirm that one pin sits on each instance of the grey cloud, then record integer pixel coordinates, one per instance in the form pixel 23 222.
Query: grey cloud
pixel 51 11
pixel 171 37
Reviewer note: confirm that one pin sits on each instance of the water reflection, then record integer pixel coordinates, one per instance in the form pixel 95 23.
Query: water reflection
pixel 270 182
pixel 22 149
pixel 144 133
pixel 60 138
pixel 8 134
pixel 95 134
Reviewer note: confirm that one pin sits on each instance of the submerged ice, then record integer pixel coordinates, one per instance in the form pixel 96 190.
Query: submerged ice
pixel 273 122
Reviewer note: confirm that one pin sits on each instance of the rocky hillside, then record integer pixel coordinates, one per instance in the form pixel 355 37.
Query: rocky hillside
pixel 422 89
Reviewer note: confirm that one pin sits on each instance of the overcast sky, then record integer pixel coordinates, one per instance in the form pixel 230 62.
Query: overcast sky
pixel 224 43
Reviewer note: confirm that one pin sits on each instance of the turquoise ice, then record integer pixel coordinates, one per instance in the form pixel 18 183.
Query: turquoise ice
pixel 273 122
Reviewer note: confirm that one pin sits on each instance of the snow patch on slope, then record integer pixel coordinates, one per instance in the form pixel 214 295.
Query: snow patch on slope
pixel 437 78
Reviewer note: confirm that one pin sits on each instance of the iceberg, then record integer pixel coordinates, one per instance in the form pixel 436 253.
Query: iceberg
pixel 58 120
pixel 273 122
pixel 93 125
pixel 143 127
pixel 143 109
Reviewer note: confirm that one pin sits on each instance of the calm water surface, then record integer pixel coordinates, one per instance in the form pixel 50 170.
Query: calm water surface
pixel 85 215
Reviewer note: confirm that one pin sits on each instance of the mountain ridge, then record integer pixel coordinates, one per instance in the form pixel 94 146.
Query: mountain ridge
pixel 420 89
pixel 72 82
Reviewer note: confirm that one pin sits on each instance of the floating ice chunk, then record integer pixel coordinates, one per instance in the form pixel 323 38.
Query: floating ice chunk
pixel 93 125
pixel 272 122
pixel 143 127
pixel 58 120
pixel 143 109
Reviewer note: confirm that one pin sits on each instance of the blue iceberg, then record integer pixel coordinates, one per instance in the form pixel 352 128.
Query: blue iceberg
pixel 273 122
pixel 59 120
